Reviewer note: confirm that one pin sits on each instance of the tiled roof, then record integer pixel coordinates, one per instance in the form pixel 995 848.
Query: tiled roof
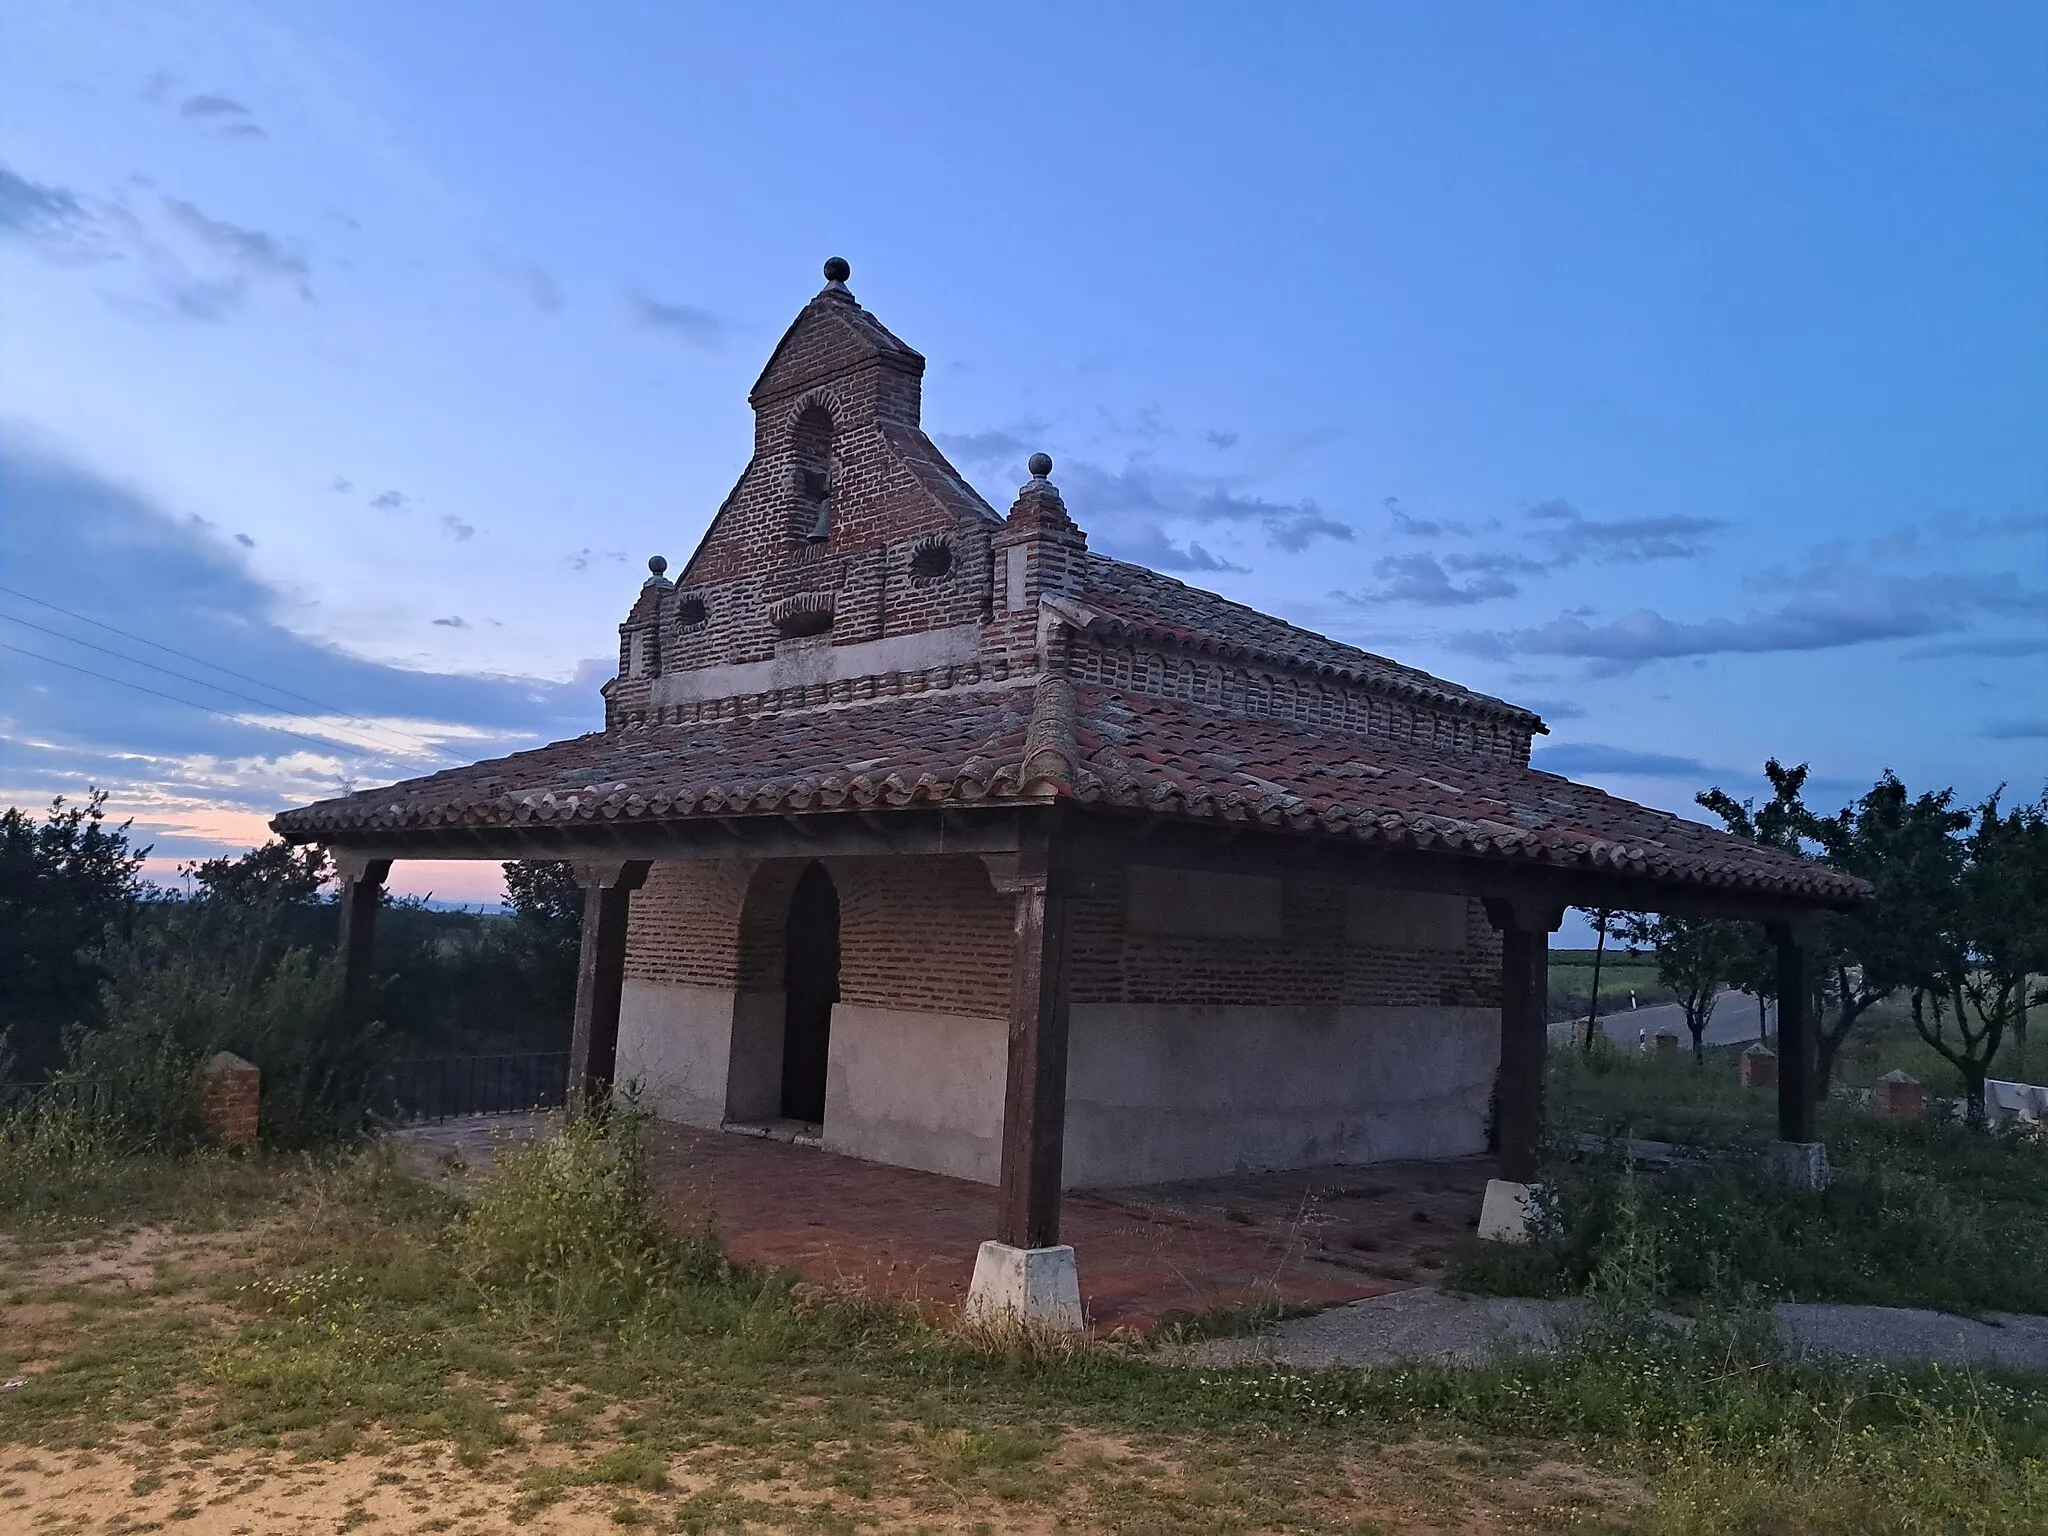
pixel 1142 604
pixel 990 745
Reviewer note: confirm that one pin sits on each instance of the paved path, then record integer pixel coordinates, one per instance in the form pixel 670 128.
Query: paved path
pixel 1425 1324
pixel 1733 1023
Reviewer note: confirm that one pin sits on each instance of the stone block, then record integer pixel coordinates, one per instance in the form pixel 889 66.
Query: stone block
pixel 1759 1067
pixel 230 1089
pixel 1504 1214
pixel 1664 1045
pixel 1036 1287
pixel 1897 1097
pixel 1801 1164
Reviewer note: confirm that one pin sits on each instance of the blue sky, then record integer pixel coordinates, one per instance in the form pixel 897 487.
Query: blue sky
pixel 1681 371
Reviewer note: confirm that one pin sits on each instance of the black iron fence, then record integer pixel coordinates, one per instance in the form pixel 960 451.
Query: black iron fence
pixel 443 1087
pixel 62 1094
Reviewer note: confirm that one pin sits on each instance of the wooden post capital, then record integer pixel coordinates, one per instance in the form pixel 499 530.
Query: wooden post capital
pixel 1524 914
pixel 1803 931
pixel 611 874
pixel 359 868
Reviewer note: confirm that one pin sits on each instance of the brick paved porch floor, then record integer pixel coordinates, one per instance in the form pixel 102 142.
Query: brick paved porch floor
pixel 1319 1236
pixel 1313 1236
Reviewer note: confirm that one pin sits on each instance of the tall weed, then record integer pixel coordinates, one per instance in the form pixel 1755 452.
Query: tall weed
pixel 569 1220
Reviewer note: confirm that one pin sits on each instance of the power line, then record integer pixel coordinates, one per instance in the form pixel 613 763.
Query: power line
pixel 183 677
pixel 346 746
pixel 217 667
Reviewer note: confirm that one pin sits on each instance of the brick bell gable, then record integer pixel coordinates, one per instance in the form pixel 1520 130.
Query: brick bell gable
pixel 847 525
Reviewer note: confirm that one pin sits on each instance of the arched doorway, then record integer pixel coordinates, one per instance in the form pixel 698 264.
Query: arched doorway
pixel 811 986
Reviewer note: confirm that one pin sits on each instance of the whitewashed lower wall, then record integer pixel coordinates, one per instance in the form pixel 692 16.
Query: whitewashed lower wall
pixel 1175 1092
pixel 918 1090
pixel 675 1041
pixel 1154 1092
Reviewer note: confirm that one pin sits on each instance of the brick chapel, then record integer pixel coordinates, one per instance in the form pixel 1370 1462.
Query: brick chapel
pixel 922 831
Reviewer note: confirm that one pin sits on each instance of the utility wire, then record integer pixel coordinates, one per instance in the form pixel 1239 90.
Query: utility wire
pixel 346 746
pixel 183 677
pixel 217 667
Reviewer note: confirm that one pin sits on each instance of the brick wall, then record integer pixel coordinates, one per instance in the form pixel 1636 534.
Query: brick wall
pixel 1310 964
pixel 1326 706
pixel 933 935
pixel 684 923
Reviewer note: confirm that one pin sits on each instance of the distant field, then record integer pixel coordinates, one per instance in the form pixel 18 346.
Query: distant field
pixel 1571 982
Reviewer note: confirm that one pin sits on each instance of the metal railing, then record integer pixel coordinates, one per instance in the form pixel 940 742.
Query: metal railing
pixel 61 1093
pixel 445 1087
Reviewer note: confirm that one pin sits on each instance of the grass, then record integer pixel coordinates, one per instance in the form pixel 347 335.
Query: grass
pixel 1929 1214
pixel 548 1334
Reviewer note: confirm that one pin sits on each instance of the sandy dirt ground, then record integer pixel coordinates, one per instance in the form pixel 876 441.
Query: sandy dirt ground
pixel 425 1489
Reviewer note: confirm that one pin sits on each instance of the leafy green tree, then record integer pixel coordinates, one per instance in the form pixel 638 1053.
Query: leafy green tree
pixel 1695 957
pixel 1970 928
pixel 1783 822
pixel 1869 839
pixel 544 893
pixel 274 874
pixel 64 881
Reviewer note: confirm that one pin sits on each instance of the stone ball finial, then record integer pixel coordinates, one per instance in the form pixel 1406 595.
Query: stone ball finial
pixel 837 270
pixel 657 564
pixel 1040 465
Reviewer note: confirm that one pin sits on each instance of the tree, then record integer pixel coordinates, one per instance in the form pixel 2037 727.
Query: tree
pixel 544 892
pixel 1607 923
pixel 1783 822
pixel 1694 958
pixel 275 873
pixel 1863 839
pixel 1970 928
pixel 64 882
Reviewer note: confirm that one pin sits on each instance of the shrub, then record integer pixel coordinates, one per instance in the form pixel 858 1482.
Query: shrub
pixel 212 976
pixel 569 1219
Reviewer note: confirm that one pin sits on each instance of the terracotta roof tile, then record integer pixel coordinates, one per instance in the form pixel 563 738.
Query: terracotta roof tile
pixel 1141 603
pixel 1094 745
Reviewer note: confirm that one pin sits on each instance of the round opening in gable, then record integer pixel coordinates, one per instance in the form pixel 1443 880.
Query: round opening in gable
pixel 931 560
pixel 692 614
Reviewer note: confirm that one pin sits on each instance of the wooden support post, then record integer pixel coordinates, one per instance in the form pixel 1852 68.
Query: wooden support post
pixel 1796 1058
pixel 361 893
pixel 1525 930
pixel 1035 1092
pixel 600 979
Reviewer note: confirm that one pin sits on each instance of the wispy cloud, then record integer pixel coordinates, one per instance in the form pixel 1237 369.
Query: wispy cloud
pixel 222 116
pixel 53 221
pixel 1571 758
pixel 203 748
pixel 994 449
pixel 1568 535
pixel 678 322
pixel 189 263
pixel 1423 581
pixel 2017 730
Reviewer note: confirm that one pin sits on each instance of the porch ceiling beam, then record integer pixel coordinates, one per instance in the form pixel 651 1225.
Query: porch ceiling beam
pixel 820 835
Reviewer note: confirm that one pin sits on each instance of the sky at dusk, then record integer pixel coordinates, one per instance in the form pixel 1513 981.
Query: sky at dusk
pixel 1679 371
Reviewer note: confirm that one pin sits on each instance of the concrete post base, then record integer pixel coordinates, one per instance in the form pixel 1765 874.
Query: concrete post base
pixel 1504 1217
pixel 1034 1286
pixel 1802 1164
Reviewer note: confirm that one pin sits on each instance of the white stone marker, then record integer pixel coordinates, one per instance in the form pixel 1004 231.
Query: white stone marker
pixel 1039 1286
pixel 1504 1217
